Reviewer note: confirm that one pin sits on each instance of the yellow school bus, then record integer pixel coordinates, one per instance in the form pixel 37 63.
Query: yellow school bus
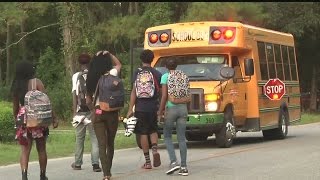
pixel 229 65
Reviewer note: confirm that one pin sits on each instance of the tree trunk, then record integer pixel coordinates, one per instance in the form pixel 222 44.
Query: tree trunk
pixel 1 80
pixel 23 44
pixel 68 47
pixel 136 8
pixel 313 95
pixel 9 41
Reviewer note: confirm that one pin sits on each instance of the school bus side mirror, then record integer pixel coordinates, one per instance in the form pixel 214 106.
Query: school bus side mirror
pixel 249 68
pixel 227 72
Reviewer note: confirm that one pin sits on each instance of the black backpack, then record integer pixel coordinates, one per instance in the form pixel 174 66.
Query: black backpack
pixel 82 89
pixel 110 91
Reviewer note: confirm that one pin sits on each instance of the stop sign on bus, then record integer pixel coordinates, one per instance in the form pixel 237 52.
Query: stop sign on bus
pixel 274 89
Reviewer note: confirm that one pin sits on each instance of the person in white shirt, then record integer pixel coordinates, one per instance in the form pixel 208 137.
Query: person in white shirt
pixel 82 117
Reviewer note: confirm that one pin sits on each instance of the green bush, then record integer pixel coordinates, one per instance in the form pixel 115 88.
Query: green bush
pixel 56 82
pixel 4 93
pixel 7 131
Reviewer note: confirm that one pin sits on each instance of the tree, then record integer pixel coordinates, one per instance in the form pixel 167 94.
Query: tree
pixel 305 26
pixel 246 12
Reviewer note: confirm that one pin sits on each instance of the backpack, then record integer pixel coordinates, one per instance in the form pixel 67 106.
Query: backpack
pixel 82 90
pixel 110 93
pixel 146 85
pixel 38 110
pixel 178 87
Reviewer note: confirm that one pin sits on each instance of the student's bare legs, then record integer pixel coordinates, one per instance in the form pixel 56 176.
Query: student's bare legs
pixel 25 153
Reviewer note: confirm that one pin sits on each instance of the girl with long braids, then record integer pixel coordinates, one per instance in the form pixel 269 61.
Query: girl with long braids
pixel 25 81
pixel 107 125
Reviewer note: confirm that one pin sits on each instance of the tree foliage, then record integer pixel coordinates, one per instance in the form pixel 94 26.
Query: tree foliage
pixel 92 26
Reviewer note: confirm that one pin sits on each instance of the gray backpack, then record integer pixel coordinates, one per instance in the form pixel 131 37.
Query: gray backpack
pixel 38 108
pixel 110 90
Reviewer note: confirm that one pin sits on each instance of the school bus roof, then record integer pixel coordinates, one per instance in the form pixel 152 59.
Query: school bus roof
pixel 189 35
pixel 211 23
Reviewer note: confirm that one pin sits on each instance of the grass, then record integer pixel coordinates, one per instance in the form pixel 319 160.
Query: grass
pixel 61 142
pixel 309 118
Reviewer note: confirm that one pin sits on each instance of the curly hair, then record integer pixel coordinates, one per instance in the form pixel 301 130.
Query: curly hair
pixel 171 64
pixel 147 56
pixel 24 72
pixel 98 66
pixel 84 58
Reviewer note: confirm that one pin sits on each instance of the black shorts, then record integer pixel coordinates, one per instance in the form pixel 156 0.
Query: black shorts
pixel 146 123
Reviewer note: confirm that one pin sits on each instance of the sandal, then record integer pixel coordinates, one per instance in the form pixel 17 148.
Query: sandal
pixel 146 166
pixel 107 178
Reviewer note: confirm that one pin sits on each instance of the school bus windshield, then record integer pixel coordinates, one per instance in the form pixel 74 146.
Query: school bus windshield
pixel 197 67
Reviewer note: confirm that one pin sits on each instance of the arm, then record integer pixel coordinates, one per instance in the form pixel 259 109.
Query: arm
pixel 164 97
pixel 74 95
pixel 133 98
pixel 74 103
pixel 116 62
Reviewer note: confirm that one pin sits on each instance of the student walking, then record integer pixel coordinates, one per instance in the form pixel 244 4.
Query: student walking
pixel 144 96
pixel 23 83
pixel 175 88
pixel 105 123
pixel 82 117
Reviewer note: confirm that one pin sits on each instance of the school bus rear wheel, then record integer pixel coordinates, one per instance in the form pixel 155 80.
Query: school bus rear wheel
pixel 282 130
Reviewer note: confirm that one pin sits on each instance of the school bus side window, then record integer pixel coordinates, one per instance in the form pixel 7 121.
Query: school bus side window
pixel 236 67
pixel 278 59
pixel 285 58
pixel 270 57
pixel 292 64
pixel 263 61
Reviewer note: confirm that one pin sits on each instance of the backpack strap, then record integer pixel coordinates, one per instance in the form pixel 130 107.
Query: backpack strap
pixel 96 93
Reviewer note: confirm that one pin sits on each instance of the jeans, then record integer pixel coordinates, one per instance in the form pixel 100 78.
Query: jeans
pixel 106 130
pixel 80 138
pixel 176 114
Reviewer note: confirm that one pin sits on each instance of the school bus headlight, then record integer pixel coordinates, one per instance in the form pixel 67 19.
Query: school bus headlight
pixel 211 106
pixel 164 37
pixel 153 38
pixel 211 97
pixel 216 34
pixel 228 34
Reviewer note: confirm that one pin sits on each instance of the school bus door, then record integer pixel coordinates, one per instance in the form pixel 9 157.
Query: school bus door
pixel 238 91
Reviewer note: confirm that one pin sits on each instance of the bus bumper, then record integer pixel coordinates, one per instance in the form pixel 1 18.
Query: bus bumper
pixel 202 123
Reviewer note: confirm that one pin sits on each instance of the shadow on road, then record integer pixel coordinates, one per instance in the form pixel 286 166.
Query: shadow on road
pixel 238 141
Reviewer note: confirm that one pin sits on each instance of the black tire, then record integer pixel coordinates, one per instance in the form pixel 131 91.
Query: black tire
pixel 191 136
pixel 282 131
pixel 224 137
pixel 139 143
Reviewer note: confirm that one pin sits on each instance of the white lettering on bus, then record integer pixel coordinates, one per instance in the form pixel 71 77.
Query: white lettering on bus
pixel 190 36
pixel 274 89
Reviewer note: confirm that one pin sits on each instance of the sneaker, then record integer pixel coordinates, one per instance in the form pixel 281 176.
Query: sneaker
pixel 74 167
pixel 156 159
pixel 183 171
pixel 96 168
pixel 173 167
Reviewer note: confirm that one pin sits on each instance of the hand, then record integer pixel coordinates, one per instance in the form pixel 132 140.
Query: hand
pixel 104 52
pixel 129 114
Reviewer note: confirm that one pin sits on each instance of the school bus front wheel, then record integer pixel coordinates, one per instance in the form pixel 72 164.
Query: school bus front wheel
pixel 224 137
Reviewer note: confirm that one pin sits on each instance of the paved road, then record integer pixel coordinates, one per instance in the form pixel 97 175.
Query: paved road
pixel 250 158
